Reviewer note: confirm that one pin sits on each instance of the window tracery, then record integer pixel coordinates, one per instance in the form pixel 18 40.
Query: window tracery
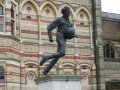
pixel 12 21
pixel 29 9
pixel 109 51
pixel 30 76
pixel 1 10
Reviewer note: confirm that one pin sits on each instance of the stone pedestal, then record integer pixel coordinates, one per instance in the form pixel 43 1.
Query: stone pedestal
pixel 59 82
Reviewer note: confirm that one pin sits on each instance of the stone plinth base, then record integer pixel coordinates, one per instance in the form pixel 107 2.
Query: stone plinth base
pixel 59 82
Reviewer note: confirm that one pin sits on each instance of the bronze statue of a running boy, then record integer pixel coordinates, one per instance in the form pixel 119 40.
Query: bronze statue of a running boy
pixel 65 31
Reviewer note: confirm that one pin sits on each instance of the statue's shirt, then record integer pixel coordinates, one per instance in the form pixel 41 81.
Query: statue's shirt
pixel 62 23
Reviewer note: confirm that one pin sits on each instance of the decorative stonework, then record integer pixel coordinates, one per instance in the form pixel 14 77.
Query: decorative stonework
pixel 30 41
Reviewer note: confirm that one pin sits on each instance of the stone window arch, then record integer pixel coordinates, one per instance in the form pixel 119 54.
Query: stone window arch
pixel 69 68
pixel 29 15
pixel 83 25
pixel 85 66
pixel 83 17
pixel 48 12
pixel 48 8
pixel 109 50
pixel 29 10
pixel 84 12
pixel 30 65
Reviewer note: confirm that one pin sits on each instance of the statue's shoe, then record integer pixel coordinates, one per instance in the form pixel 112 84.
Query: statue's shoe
pixel 44 58
pixel 74 35
pixel 45 73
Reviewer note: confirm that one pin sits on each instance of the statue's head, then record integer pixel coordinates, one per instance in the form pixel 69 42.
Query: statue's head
pixel 66 11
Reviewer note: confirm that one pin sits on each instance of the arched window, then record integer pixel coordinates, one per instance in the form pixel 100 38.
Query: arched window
pixel 29 9
pixel 81 19
pixel 30 76
pixel 1 10
pixel 109 51
pixel 12 20
pixel 84 19
pixel 2 74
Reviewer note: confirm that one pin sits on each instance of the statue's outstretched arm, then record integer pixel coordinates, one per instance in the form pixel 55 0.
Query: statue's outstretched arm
pixel 52 26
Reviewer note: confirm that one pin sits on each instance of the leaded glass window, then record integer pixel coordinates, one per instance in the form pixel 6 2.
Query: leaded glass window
pixel 1 10
pixel 109 51
pixel 1 74
pixel 12 20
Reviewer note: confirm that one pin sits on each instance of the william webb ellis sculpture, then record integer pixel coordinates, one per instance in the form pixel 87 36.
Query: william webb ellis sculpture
pixel 65 31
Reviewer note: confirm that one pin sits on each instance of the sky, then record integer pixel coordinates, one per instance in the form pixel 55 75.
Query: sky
pixel 112 6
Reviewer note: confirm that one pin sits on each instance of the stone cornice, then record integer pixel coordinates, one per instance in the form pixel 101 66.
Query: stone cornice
pixel 110 19
pixel 59 78
pixel 10 36
pixel 10 58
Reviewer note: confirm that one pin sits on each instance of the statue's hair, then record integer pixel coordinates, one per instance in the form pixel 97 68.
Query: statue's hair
pixel 65 9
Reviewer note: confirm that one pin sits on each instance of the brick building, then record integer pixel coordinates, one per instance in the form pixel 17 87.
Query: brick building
pixel 111 48
pixel 23 40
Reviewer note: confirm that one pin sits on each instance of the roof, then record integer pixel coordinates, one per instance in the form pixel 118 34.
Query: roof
pixel 110 15
pixel 110 25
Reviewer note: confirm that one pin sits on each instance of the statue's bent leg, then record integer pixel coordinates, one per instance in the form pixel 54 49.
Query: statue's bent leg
pixel 61 41
pixel 54 55
pixel 44 58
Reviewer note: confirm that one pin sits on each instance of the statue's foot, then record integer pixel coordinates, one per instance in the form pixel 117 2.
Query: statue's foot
pixel 45 73
pixel 44 58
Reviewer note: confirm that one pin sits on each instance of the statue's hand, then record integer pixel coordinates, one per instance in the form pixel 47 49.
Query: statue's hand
pixel 50 38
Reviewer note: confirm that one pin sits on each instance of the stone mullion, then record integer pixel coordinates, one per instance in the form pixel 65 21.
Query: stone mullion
pixel 91 40
pixel 40 43
pixel 39 28
pixel 17 26
pixel 8 16
pixel 75 47
pixel 75 26
pixel 4 15
pixel 90 30
pixel 75 39
pixel 20 15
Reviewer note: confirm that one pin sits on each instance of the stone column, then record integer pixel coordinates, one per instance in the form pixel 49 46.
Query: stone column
pixel 59 82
